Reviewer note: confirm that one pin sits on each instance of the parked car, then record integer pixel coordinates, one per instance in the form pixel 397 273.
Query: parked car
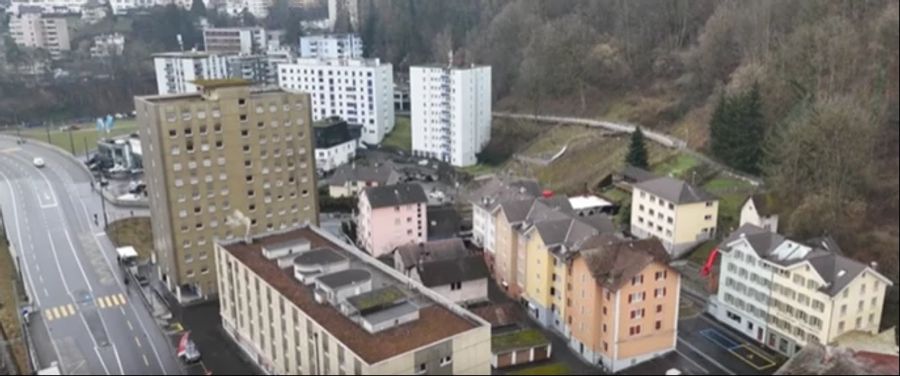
pixel 38 162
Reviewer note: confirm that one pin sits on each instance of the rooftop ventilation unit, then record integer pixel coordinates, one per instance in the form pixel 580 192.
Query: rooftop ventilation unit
pixel 317 262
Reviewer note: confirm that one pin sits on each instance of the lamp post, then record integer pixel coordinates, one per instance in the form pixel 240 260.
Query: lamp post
pixel 103 183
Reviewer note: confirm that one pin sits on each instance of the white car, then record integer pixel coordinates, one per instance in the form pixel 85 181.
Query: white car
pixel 38 162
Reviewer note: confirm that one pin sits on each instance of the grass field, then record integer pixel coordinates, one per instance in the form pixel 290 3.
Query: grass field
pixel 676 165
pixel 401 136
pixel 545 369
pixel 723 183
pixel 86 133
pixel 135 232
pixel 10 287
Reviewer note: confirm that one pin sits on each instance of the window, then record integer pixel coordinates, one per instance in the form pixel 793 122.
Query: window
pixel 634 330
pixel 658 308
pixel 422 368
pixel 445 361
pixel 455 286
pixel 658 324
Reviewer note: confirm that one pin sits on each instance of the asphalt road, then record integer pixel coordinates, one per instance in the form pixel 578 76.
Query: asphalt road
pixel 85 317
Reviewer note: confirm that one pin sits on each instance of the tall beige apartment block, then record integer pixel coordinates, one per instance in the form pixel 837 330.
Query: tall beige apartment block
pixel 207 155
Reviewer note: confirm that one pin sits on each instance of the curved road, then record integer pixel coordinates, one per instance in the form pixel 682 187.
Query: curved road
pixel 85 317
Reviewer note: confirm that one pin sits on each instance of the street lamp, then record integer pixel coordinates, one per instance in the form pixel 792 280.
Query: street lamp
pixel 103 183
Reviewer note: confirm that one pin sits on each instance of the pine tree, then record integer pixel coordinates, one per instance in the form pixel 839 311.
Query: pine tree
pixel 736 130
pixel 198 8
pixel 637 150
pixel 753 131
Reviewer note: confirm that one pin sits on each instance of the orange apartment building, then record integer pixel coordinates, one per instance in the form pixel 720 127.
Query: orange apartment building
pixel 623 302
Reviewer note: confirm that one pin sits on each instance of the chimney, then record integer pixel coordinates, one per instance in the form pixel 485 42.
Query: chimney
pixel 874 265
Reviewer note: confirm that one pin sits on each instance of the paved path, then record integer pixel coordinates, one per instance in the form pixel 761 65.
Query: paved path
pixel 85 318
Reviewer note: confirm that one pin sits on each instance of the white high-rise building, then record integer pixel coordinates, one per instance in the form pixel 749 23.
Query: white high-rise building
pixel 359 91
pixel 451 112
pixel 235 40
pixel 258 8
pixel 175 71
pixel 31 28
pixel 331 46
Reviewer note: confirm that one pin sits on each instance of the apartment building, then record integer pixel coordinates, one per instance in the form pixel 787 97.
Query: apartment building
pixel 304 302
pixel 336 143
pixel 447 267
pixel 390 216
pixel 235 40
pixel 17 7
pixel 759 210
pixel 176 71
pixel 207 155
pixel 107 45
pixel 786 294
pixel 677 213
pixel 35 29
pixel 487 196
pixel 623 302
pixel 349 179
pixel 331 46
pixel 258 8
pixel 357 90
pixel 451 112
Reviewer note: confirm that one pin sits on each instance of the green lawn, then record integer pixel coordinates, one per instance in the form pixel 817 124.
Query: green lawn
pixel 546 369
pixel 86 133
pixel 677 165
pixel 730 211
pixel 726 184
pixel 401 136
pixel 517 340
pixel 701 253
pixel 135 232
pixel 617 195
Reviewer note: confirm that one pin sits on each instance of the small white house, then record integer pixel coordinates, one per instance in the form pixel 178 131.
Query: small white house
pixel 446 267
pixel 758 210
pixel 336 143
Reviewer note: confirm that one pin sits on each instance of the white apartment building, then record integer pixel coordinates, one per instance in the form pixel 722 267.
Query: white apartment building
pixel 331 46
pixel 303 302
pixel 124 6
pixel 31 28
pixel 785 293
pixel 680 215
pixel 451 112
pixel 336 143
pixel 359 91
pixel 17 7
pixel 258 8
pixel 175 71
pixel 235 40
pixel 107 45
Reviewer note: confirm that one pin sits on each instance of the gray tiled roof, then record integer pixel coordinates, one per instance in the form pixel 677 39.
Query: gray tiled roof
pixel 436 250
pixel 613 261
pixel 675 190
pixel 494 191
pixel 393 195
pixel 439 273
pixel 383 174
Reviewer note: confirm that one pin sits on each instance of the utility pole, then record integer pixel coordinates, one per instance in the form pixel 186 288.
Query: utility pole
pixel 86 154
pixel 48 133
pixel 102 184
pixel 71 141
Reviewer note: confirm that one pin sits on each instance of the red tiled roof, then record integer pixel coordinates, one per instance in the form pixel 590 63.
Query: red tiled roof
pixel 435 321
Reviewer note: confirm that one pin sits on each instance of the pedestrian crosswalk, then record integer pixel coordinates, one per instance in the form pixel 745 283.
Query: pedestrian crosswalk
pixel 111 300
pixel 59 312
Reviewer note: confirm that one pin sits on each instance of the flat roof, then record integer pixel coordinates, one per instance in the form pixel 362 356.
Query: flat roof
pixel 389 314
pixel 439 319
pixel 587 201
pixel 345 278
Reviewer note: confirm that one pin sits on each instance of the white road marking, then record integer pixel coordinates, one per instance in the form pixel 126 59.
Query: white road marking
pixel 46 294
pixel 130 327
pixel 41 278
pixel 122 309
pixel 37 267
pixel 146 363
pixel 116 353
pixel 704 370
pixel 137 341
pixel 709 359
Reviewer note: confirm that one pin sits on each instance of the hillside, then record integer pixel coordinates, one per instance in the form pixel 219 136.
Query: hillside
pixel 827 74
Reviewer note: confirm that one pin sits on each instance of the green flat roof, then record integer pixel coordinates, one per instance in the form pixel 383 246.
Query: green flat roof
pixel 521 339
pixel 376 298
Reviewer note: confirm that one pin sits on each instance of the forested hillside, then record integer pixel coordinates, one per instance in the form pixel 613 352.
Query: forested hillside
pixel 825 116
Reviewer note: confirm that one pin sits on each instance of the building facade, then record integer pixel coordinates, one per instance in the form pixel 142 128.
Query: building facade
pixel 678 214
pixel 391 216
pixel 336 144
pixel 258 8
pixel 786 294
pixel 305 302
pixel 446 267
pixel 108 45
pixel 757 210
pixel 359 91
pixel 331 46
pixel 235 40
pixel 451 112
pixel 206 155
pixel 31 28
pixel 176 71
pixel 623 306
pixel 349 179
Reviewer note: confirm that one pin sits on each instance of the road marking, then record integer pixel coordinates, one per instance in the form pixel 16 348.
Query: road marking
pixel 146 363
pixel 10 150
pixel 704 370
pixel 137 341
pixel 98 234
pixel 41 278
pixel 130 327
pixel 49 314
pixel 37 267
pixel 46 293
pixel 120 299
pixel 709 359
pixel 21 246
pixel 71 309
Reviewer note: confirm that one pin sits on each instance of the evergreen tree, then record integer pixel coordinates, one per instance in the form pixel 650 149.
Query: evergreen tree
pixel 753 131
pixel 198 9
pixel 736 130
pixel 637 150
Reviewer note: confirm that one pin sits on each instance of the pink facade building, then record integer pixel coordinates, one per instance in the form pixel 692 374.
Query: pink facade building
pixel 390 216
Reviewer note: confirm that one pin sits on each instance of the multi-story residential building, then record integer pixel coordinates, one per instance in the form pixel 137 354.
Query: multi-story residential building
pixel 677 213
pixel 623 304
pixel 258 8
pixel 107 45
pixel 304 302
pixel 207 155
pixel 71 7
pixel 125 6
pixel 331 46
pixel 785 293
pixel 236 40
pixel 758 210
pixel 487 196
pixel 451 112
pixel 390 216
pixel 93 11
pixel 35 29
pixel 336 143
pixel 549 247
pixel 358 90
pixel 176 71
pixel 510 218
pixel 446 267
pixel 349 179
